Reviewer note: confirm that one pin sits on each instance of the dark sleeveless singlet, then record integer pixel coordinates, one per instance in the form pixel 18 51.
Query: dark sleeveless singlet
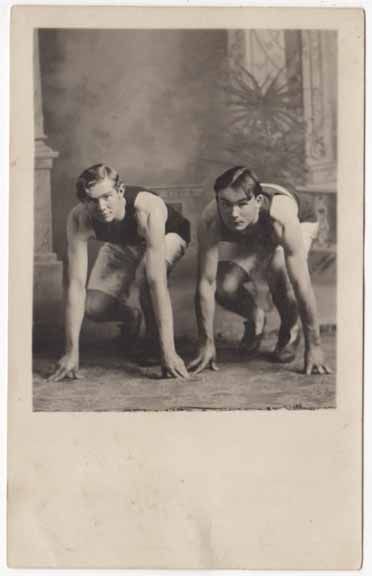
pixel 124 232
pixel 262 233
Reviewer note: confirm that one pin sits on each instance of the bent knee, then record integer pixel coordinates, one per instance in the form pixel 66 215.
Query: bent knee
pixel 228 288
pixel 97 305
pixel 230 279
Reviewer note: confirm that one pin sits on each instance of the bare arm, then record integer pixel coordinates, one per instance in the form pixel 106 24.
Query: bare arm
pixel 206 284
pixel 300 278
pixel 76 288
pixel 77 254
pixel 205 295
pixel 289 231
pixel 156 274
pixel 152 223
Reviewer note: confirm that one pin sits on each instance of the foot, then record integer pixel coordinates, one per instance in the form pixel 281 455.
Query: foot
pixel 288 342
pixel 253 333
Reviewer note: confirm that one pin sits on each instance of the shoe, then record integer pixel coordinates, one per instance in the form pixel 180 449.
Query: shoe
pixel 253 334
pixel 287 345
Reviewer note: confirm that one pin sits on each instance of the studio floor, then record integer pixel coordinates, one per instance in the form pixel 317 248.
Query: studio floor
pixel 111 382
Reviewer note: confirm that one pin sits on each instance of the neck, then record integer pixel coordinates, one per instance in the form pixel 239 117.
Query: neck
pixel 122 210
pixel 256 219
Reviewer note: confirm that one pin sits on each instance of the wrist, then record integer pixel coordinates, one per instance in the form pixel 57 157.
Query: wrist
pixel 167 350
pixel 72 351
pixel 206 341
pixel 312 338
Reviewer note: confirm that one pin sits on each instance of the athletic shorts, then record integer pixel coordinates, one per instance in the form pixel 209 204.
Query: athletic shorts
pixel 115 268
pixel 252 258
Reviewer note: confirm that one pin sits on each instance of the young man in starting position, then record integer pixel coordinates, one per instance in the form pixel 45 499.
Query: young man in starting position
pixel 136 225
pixel 251 226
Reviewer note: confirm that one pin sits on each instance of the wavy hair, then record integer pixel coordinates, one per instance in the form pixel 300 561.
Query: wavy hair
pixel 239 177
pixel 94 174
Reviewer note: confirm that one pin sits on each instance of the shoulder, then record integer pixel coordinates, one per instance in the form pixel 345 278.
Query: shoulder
pixel 78 216
pixel 284 209
pixel 151 214
pixel 147 203
pixel 209 224
pixel 210 212
pixel 286 224
pixel 79 223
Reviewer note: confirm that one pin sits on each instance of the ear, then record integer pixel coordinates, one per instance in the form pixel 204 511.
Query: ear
pixel 121 189
pixel 259 199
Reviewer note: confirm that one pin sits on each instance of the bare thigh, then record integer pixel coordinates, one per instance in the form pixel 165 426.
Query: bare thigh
pixel 114 270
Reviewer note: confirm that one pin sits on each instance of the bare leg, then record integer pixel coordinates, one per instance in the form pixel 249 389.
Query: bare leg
pixel 285 301
pixel 102 307
pixel 232 294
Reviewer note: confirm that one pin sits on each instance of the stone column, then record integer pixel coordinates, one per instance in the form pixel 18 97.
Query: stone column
pixel 319 65
pixel 47 268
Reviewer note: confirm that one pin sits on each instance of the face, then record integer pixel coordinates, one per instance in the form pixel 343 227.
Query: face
pixel 105 202
pixel 237 210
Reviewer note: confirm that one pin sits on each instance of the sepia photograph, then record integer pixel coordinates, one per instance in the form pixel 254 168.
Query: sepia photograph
pixel 185 228
pixel 186 288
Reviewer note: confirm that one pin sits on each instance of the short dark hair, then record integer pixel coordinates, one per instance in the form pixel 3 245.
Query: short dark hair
pixel 239 177
pixel 94 174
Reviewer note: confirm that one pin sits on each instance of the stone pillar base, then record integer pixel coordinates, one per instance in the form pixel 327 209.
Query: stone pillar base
pixel 47 299
pixel 48 288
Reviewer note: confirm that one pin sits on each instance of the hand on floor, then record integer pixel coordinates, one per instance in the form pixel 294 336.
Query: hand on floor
pixel 314 361
pixel 67 367
pixel 206 358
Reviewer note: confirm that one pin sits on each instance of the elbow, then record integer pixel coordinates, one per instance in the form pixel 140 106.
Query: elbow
pixel 301 285
pixel 156 276
pixel 206 285
pixel 76 288
pixel 210 282
pixel 151 283
pixel 295 281
pixel 154 282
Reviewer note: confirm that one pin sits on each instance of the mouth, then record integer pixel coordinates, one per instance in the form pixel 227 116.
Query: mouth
pixel 104 215
pixel 238 225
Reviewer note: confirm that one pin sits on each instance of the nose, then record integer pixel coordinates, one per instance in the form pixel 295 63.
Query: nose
pixel 235 211
pixel 101 203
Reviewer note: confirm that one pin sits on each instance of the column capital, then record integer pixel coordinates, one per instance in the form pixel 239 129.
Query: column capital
pixel 44 155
